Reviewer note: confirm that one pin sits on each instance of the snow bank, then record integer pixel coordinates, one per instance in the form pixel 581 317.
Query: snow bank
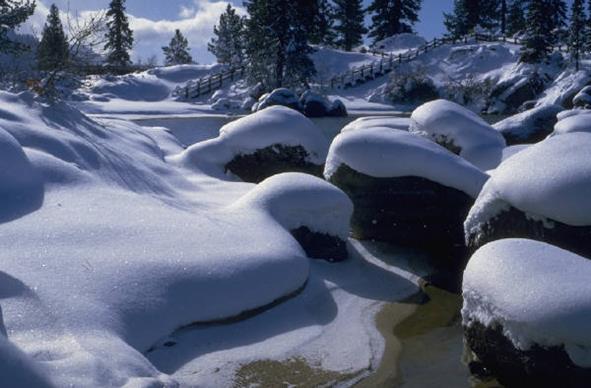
pixel 387 153
pixel 401 123
pixel 451 124
pixel 276 125
pixel 399 42
pixel 296 200
pixel 540 294
pixel 126 247
pixel 551 179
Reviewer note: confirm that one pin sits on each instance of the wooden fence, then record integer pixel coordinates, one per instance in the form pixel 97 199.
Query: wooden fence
pixel 356 76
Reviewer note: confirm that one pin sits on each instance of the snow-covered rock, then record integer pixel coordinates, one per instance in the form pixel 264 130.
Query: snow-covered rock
pixel 399 42
pixel 406 189
pixel 461 131
pixel 527 313
pixel 255 147
pixel 576 121
pixel 316 105
pixel 401 123
pixel 317 213
pixel 282 97
pixel 564 87
pixel 540 193
pixel 583 98
pixel 530 126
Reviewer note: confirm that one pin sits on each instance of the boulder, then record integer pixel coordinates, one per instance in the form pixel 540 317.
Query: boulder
pixel 526 314
pixel 281 96
pixel 583 98
pixel 541 193
pixel 528 127
pixel 406 189
pixel 459 130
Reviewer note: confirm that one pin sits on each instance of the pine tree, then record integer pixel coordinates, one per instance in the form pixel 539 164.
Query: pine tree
pixel 469 14
pixel 391 17
pixel 277 44
pixel 515 18
pixel 12 14
pixel 587 44
pixel 228 43
pixel 53 50
pixel 539 39
pixel 576 40
pixel 177 52
pixel 322 31
pixel 503 17
pixel 558 13
pixel 119 35
pixel 350 27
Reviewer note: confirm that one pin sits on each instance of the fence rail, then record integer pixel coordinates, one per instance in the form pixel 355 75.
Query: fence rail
pixel 356 76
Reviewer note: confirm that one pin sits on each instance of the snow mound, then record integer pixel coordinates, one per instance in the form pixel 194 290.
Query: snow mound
pixel 21 187
pixel 401 123
pixel 152 85
pixel 551 179
pixel 573 123
pixel 297 200
pixel 19 370
pixel 539 293
pixel 387 153
pixel 399 42
pixel 125 248
pixel 453 125
pixel 276 125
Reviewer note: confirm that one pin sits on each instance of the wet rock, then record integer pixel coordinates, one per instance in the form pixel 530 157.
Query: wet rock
pixel 321 245
pixel 264 163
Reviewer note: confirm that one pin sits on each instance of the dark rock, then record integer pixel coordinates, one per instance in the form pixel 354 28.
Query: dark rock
pixel 281 96
pixel 583 98
pixel 270 161
pixel 514 93
pixel 513 223
pixel 530 126
pixel 408 211
pixel 537 367
pixel 320 245
pixel 338 109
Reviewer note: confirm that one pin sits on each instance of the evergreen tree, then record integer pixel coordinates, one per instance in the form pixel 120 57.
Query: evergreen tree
pixel 350 28
pixel 538 39
pixel 177 52
pixel 322 31
pixel 558 13
pixel 53 50
pixel 391 17
pixel 503 17
pixel 119 35
pixel 12 14
pixel 469 14
pixel 515 18
pixel 576 39
pixel 228 43
pixel 587 44
pixel 277 44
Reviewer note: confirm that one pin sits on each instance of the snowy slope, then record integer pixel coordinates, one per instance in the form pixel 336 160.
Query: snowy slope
pixel 126 247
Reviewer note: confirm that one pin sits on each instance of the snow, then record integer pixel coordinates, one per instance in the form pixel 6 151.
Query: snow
pixel 446 121
pixel 387 153
pixel 401 123
pixel 127 246
pixel 539 293
pixel 296 200
pixel 399 42
pixel 551 179
pixel 525 124
pixel 583 98
pixel 564 87
pixel 573 123
pixel 514 150
pixel 268 127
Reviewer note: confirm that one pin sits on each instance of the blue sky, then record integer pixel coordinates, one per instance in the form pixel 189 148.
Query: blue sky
pixel 154 21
